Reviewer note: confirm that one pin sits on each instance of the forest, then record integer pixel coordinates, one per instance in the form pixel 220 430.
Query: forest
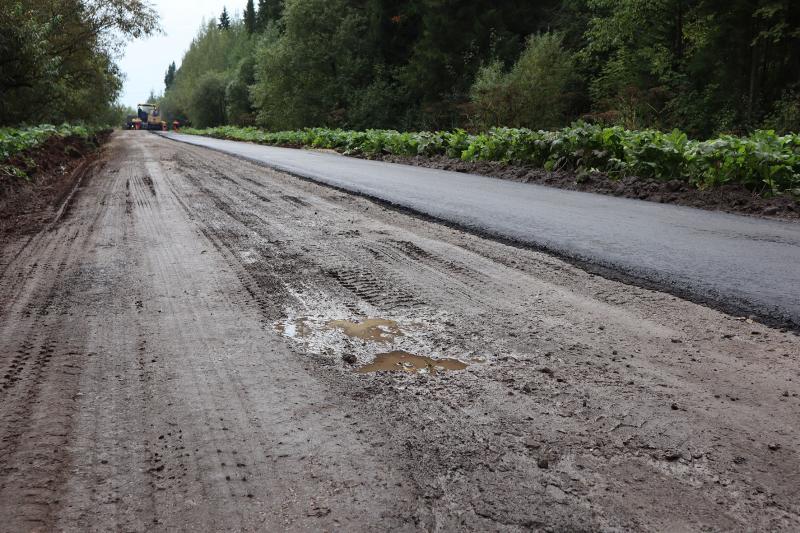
pixel 707 67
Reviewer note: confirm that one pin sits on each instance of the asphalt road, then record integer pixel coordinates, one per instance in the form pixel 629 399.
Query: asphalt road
pixel 739 264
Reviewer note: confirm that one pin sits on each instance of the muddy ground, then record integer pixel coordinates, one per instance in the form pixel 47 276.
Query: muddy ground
pixel 731 198
pixel 185 348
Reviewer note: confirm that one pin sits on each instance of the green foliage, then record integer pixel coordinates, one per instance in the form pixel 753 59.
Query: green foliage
pixel 375 106
pixel 306 74
pixel 57 56
pixel 207 103
pixel 702 66
pixel 239 108
pixel 214 52
pixel 763 161
pixel 16 141
pixel 785 115
pixel 169 77
pixel 250 17
pixel 269 12
pixel 533 93
pixel 224 20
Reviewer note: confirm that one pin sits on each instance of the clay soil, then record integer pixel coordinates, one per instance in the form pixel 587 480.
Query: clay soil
pixel 172 358
pixel 729 198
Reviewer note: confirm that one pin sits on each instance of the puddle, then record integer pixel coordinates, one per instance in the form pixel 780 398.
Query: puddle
pixel 294 328
pixel 407 362
pixel 372 329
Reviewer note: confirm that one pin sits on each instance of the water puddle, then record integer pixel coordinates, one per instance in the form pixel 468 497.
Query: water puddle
pixel 400 361
pixel 294 328
pixel 372 329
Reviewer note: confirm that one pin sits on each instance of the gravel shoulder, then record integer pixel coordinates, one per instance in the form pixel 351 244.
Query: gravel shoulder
pixel 168 362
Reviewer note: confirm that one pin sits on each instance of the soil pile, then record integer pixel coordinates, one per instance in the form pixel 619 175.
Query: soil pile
pixel 52 168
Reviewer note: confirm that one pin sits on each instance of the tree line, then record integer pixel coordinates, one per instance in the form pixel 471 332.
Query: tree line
pixel 705 66
pixel 57 58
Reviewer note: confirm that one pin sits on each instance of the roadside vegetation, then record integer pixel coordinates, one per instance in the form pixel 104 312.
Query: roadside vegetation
pixel 762 161
pixel 18 146
pixel 57 58
pixel 705 67
pixel 57 66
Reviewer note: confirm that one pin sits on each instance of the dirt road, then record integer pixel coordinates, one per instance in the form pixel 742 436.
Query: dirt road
pixel 175 354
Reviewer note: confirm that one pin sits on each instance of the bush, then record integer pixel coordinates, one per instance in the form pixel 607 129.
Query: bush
pixel 532 93
pixel 785 116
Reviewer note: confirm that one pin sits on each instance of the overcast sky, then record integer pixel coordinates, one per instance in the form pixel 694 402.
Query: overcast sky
pixel 146 60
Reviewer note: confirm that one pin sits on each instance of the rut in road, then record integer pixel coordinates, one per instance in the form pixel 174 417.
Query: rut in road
pixel 170 359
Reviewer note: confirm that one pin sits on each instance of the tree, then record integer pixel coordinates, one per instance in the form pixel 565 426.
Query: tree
pixel 224 19
pixel 169 78
pixel 57 56
pixel 533 93
pixel 307 74
pixel 268 11
pixel 239 108
pixel 700 65
pixel 208 101
pixel 250 17
pixel 261 16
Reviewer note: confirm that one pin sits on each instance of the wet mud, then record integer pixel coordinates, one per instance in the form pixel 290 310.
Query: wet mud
pixel 400 361
pixel 371 329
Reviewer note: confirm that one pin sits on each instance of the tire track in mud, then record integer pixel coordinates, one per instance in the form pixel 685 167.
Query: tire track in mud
pixel 38 396
pixel 57 284
pixel 215 416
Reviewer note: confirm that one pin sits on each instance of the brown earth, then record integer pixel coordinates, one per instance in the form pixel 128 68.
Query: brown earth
pixel 730 198
pixel 53 168
pixel 172 357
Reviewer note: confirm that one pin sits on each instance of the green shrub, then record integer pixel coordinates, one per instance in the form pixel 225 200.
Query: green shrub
pixel 532 93
pixel 15 141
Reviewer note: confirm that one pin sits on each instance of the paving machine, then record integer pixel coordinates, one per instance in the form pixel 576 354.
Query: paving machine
pixel 150 117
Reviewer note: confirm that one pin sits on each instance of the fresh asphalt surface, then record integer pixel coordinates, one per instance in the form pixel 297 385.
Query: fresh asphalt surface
pixel 740 264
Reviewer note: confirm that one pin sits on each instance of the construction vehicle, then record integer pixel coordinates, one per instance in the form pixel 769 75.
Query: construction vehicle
pixel 150 117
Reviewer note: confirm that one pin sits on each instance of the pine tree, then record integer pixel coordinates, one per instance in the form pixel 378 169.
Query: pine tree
pixel 268 11
pixel 169 78
pixel 263 13
pixel 250 17
pixel 224 20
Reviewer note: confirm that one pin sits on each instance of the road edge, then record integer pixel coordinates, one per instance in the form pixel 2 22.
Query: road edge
pixel 609 272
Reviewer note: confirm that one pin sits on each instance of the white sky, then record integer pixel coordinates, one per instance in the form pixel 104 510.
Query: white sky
pixel 145 61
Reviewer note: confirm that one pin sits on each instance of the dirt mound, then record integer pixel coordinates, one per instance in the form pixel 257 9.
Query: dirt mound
pixel 52 169
pixel 730 198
